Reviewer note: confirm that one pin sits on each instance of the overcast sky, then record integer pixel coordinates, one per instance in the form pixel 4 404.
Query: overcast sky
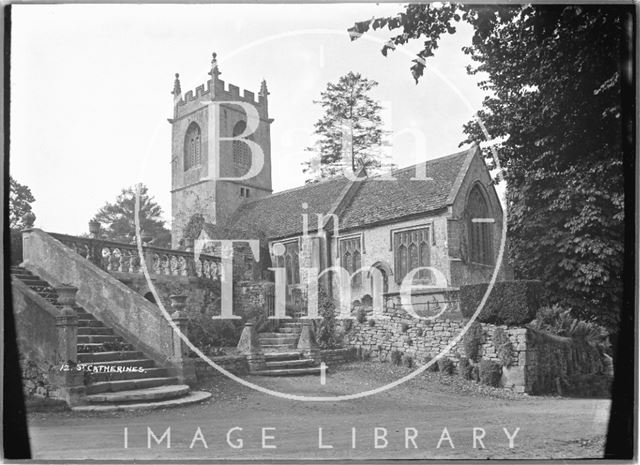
pixel 90 90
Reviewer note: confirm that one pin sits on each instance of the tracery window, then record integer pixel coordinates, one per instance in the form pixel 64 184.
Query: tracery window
pixel 290 261
pixel 411 250
pixel 480 231
pixel 351 257
pixel 192 147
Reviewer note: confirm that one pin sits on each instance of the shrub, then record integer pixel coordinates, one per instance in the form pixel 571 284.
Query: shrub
pixel 558 321
pixel 327 335
pixel 347 325
pixel 208 334
pixel 361 315
pixel 445 365
pixel 408 341
pixel 372 323
pixel 396 357
pixel 490 373
pixel 472 340
pixel 503 346
pixel 475 372
pixel 407 361
pixel 509 303
pixel 465 368
pixel 404 327
pixel 433 368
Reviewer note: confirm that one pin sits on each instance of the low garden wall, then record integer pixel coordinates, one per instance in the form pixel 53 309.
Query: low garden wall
pixel 527 360
pixel 236 364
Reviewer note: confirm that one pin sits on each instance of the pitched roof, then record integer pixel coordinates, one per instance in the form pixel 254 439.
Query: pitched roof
pixel 380 201
pixel 280 214
pixel 371 201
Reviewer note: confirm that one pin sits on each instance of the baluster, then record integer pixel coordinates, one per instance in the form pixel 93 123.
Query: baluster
pixel 198 267
pixel 155 266
pixel 182 266
pixel 173 265
pixel 114 263
pixel 106 256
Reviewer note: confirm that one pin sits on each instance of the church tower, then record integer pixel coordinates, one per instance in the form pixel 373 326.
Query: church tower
pixel 212 176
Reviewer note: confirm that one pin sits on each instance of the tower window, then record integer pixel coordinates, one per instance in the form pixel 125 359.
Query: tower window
pixel 241 151
pixel 192 147
pixel 242 192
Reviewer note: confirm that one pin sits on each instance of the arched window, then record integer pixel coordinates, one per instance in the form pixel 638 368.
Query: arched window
pixel 192 147
pixel 241 152
pixel 479 227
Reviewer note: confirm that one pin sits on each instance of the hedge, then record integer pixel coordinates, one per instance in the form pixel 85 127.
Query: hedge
pixel 509 303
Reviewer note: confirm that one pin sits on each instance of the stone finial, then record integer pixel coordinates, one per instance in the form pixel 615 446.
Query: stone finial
pixel 263 89
pixel 28 219
pixel 215 71
pixel 177 91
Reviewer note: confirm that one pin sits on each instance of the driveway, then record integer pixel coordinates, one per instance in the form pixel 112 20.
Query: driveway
pixel 408 421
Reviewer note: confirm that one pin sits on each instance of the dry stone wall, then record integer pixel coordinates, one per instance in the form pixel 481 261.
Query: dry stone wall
pixel 536 363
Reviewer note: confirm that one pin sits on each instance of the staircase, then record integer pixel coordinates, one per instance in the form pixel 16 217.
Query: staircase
pixel 281 356
pixel 148 387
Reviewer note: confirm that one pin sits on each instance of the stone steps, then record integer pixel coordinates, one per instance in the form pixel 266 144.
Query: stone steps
pixel 300 363
pixel 129 384
pixel 98 345
pixel 93 338
pixel 289 372
pixel 280 340
pixel 151 394
pixel 140 362
pixel 98 357
pixel 275 356
pixel 94 331
pixel 129 375
pixel 192 398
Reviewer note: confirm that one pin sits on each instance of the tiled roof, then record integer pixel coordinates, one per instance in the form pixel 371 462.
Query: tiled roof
pixel 280 215
pixel 378 200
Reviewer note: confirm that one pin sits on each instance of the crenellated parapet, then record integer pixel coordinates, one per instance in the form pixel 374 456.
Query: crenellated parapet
pixel 215 89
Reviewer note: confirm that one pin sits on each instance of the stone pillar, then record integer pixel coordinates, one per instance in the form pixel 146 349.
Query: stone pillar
pixel 307 341
pixel 183 365
pixel 71 382
pixel 249 346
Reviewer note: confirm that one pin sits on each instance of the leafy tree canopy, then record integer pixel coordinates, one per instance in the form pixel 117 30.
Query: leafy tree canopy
pixel 118 219
pixel 554 110
pixel 20 200
pixel 349 132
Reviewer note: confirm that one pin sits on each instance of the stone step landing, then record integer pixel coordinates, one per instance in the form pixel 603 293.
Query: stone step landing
pixel 192 397
pixel 151 394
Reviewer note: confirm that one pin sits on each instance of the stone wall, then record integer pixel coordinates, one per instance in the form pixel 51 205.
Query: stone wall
pixel 539 363
pixel 236 364
pixel 336 356
pixel 38 342
pixel 253 296
pixel 203 295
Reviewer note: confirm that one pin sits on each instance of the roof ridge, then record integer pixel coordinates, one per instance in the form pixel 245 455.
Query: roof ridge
pixel 293 189
pixel 445 157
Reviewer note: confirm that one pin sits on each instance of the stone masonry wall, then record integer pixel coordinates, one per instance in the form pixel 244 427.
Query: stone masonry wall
pixel 538 362
pixel 236 364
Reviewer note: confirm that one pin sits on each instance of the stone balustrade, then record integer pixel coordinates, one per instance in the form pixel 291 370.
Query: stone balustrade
pixel 119 257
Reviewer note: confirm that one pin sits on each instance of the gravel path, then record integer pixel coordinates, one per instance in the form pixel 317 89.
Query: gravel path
pixel 413 414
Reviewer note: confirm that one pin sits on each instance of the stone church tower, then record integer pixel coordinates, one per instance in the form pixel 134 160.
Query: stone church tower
pixel 197 154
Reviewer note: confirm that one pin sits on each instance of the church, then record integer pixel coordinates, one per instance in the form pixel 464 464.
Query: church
pixel 443 213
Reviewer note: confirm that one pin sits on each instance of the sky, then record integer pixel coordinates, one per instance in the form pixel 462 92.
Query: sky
pixel 90 91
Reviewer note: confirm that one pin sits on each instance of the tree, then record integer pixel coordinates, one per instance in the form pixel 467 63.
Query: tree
pixel 20 200
pixel 352 122
pixel 554 109
pixel 118 218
